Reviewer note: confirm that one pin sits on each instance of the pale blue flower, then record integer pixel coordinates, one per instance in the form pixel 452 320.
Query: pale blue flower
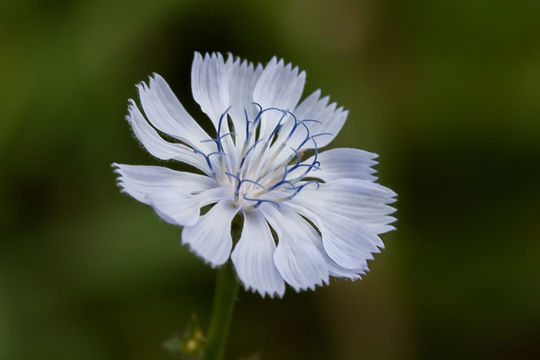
pixel 263 163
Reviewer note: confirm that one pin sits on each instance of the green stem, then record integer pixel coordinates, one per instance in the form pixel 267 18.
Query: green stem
pixel 224 298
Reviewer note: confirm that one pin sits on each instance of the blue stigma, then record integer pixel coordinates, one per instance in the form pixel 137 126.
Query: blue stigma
pixel 260 201
pixel 247 125
pixel 207 157
pixel 218 140
pixel 241 181
pixel 220 123
pixel 299 188
pixel 282 182
pixel 248 151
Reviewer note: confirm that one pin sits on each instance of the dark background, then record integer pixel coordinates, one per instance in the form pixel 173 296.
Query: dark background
pixel 447 92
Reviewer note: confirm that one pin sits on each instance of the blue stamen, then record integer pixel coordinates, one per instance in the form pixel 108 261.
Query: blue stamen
pixel 299 188
pixel 309 166
pixel 257 105
pixel 220 153
pixel 260 201
pixel 278 126
pixel 219 140
pixel 218 137
pixel 259 113
pixel 298 157
pixel 312 120
pixel 276 129
pixel 247 125
pixel 315 161
pixel 206 158
pixel 248 151
pixel 307 135
pixel 233 176
pixel 254 182
pixel 296 122
pixel 281 183
pixel 321 134
pixel 241 181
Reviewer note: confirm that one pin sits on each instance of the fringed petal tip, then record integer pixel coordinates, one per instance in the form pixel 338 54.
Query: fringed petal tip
pixel 263 293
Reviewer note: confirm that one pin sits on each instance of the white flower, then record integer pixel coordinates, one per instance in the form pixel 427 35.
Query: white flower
pixel 264 164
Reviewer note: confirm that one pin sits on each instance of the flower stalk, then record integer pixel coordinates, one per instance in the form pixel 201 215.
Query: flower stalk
pixel 225 295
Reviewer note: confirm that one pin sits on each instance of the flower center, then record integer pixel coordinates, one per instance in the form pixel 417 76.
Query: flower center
pixel 263 162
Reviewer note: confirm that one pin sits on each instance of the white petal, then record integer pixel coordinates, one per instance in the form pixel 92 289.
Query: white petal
pixel 328 119
pixel 139 181
pixel 344 163
pixel 210 84
pixel 345 240
pixel 157 146
pixel 347 213
pixel 333 268
pixel 210 80
pixel 381 228
pixel 361 200
pixel 183 209
pixel 279 86
pixel 211 238
pixel 168 115
pixel 340 272
pixel 296 257
pixel 253 257
pixel 243 77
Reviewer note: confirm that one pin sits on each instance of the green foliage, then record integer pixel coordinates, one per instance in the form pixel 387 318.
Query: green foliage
pixel 190 344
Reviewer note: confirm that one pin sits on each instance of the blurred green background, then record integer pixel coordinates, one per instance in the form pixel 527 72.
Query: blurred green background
pixel 447 92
